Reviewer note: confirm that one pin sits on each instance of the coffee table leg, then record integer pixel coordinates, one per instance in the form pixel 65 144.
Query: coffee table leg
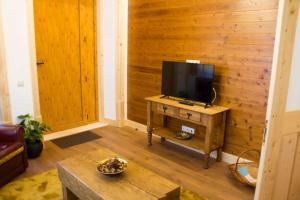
pixel 68 195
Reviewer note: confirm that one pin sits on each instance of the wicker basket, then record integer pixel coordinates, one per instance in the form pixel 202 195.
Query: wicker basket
pixel 252 169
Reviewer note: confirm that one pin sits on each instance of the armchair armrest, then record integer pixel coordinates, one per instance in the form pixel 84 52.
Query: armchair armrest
pixel 11 133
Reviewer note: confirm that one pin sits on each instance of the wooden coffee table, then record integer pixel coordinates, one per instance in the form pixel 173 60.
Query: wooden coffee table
pixel 80 179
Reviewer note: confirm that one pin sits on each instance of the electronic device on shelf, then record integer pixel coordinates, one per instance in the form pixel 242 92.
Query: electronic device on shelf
pixel 191 82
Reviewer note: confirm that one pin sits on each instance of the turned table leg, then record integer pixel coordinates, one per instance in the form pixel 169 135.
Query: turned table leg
pixel 149 122
pixel 206 160
pixel 219 154
pixel 150 138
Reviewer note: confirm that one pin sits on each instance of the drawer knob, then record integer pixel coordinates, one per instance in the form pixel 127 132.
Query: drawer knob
pixel 165 108
pixel 189 115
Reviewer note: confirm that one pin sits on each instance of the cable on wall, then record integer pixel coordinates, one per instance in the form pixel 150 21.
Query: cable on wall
pixel 215 97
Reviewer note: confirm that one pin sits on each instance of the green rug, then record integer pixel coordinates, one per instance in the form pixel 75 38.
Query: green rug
pixel 46 186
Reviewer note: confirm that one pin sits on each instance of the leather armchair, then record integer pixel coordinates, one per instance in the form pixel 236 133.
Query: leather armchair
pixel 13 156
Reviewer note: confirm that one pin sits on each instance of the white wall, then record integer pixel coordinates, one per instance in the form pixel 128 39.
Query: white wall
pixel 109 43
pixel 293 101
pixel 17 56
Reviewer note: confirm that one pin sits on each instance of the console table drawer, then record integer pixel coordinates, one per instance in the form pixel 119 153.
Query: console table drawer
pixel 190 115
pixel 169 110
pixel 187 114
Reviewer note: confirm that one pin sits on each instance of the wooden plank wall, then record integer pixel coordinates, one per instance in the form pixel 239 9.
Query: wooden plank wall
pixel 235 35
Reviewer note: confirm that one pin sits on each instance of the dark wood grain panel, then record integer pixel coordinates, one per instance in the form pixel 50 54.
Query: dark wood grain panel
pixel 236 36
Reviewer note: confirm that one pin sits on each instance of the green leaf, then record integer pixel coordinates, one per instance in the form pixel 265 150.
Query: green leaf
pixel 33 129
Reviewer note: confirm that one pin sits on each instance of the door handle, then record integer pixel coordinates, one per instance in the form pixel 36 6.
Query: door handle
pixel 40 62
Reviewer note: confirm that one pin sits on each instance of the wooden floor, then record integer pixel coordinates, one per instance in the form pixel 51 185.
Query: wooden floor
pixel 173 162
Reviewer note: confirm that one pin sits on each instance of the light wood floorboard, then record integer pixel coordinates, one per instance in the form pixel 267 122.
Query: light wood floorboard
pixel 178 164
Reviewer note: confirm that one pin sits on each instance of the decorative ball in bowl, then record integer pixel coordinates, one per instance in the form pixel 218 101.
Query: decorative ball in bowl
pixel 183 136
pixel 112 166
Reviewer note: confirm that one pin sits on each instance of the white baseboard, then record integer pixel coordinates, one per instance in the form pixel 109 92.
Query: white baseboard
pixel 5 122
pixel 226 157
pixel 38 118
pixel 73 131
pixel 111 122
pixel 136 125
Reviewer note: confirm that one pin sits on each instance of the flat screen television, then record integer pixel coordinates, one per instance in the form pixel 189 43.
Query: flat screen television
pixel 188 81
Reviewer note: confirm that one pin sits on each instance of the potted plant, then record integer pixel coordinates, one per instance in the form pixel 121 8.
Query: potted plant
pixel 33 134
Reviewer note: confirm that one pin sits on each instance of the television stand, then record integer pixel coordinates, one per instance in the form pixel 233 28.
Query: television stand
pixel 164 96
pixel 207 105
pixel 212 118
pixel 190 103
pixel 186 102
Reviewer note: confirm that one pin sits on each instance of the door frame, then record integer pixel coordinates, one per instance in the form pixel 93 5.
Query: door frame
pixel 5 110
pixel 120 60
pixel 33 60
pixel 288 11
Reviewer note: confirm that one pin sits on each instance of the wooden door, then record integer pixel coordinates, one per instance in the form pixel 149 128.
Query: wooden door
pixel 279 174
pixel 65 43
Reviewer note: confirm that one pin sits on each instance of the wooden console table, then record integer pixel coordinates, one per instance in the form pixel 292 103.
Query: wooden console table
pixel 213 118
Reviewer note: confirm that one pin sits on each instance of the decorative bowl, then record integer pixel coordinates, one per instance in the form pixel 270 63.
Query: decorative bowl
pixel 183 136
pixel 112 166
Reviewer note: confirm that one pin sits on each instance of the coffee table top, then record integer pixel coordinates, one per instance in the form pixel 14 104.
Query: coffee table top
pixel 80 175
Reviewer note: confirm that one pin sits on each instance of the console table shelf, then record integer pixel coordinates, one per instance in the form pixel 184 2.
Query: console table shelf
pixel 212 118
pixel 168 134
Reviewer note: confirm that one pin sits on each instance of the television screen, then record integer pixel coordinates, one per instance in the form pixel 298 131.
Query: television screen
pixel 188 81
